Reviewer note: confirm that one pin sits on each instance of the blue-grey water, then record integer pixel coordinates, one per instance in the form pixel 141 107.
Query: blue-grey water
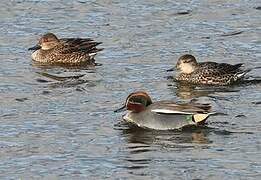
pixel 67 130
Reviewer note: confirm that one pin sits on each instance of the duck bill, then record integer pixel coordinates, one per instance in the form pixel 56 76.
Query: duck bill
pixel 123 108
pixel 34 48
pixel 171 69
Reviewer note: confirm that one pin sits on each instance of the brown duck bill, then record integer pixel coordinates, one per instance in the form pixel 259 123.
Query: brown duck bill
pixel 34 48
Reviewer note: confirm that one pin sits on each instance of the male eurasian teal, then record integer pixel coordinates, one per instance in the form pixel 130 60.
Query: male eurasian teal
pixel 208 73
pixel 73 51
pixel 163 115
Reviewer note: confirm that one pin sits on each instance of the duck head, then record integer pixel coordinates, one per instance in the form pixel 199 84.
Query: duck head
pixel 136 102
pixel 186 64
pixel 47 41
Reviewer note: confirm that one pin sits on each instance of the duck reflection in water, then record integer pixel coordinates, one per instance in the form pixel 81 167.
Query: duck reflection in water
pixel 144 146
pixel 189 91
pixel 58 81
pixel 141 139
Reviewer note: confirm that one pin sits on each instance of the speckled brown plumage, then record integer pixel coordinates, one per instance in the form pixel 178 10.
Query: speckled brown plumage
pixel 73 51
pixel 209 73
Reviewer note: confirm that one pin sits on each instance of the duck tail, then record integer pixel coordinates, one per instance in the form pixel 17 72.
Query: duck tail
pixel 241 74
pixel 237 66
pixel 92 55
pixel 93 52
pixel 200 117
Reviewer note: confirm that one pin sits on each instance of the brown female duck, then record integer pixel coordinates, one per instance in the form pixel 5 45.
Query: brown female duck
pixel 208 73
pixel 73 51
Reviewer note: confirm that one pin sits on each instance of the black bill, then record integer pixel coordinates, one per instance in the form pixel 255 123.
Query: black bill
pixel 36 47
pixel 123 108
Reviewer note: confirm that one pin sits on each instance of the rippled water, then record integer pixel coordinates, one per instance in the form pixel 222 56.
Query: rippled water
pixel 67 130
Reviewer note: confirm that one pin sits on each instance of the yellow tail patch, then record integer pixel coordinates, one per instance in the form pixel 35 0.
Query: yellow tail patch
pixel 200 117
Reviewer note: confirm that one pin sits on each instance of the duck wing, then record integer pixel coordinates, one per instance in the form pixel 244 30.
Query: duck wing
pixel 198 113
pixel 71 45
pixel 213 68
pixel 169 107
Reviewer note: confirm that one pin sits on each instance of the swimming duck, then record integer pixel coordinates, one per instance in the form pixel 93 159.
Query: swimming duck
pixel 73 51
pixel 208 73
pixel 163 115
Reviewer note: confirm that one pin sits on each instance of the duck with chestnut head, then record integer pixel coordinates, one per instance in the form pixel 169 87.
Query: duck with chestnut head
pixel 163 115
pixel 71 51
pixel 207 73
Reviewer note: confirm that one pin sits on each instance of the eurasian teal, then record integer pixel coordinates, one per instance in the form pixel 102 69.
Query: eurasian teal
pixel 208 73
pixel 163 115
pixel 73 51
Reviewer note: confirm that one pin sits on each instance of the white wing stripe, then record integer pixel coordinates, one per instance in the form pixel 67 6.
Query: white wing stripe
pixel 167 111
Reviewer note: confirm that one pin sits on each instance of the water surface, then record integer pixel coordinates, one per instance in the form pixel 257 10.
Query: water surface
pixel 55 130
